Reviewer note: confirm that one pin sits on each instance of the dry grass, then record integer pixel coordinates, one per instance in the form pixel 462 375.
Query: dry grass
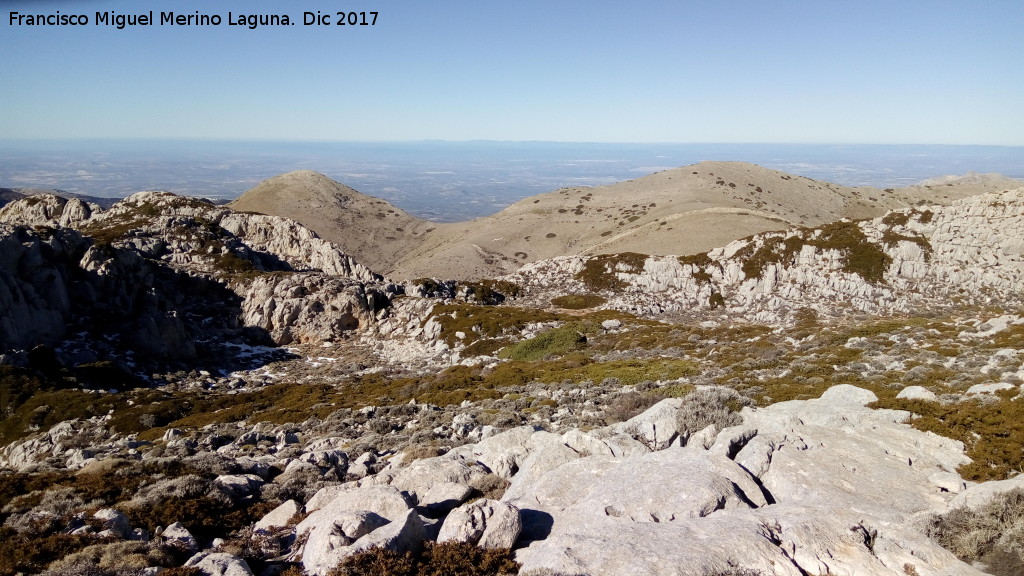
pixel 992 534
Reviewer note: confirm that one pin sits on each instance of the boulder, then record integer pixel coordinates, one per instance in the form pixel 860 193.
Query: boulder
pixel 178 537
pixel 422 475
pixel 485 523
pixel 980 494
pixel 219 564
pixel 405 533
pixel 115 521
pixel 240 486
pixel 278 516
pixel 917 393
pixel 656 427
pixel 442 497
pixel 385 501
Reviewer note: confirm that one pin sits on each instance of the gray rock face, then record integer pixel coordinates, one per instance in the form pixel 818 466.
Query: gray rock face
pixel 971 249
pixel 485 523
pixel 35 277
pixel 279 516
pixel 309 307
pixel 802 487
pixel 155 267
pixel 47 210
pixel 296 244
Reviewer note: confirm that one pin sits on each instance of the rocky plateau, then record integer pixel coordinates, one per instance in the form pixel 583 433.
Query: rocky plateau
pixel 196 389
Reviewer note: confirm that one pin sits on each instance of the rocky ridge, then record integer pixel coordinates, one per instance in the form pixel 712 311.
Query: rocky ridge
pixel 969 252
pixel 171 271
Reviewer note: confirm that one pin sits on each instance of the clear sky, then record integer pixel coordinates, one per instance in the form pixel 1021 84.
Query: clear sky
pixel 815 71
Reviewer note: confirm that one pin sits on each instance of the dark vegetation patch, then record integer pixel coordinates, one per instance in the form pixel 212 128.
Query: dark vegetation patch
pixel 578 301
pixel 555 342
pixel 599 272
pixel 861 256
pixel 436 559
pixel 477 322
pixel 26 554
pixel 699 264
pixel 31 401
pixel 491 291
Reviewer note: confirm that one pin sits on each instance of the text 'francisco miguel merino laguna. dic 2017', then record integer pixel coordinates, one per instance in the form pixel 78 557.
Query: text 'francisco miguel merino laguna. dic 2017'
pixel 121 21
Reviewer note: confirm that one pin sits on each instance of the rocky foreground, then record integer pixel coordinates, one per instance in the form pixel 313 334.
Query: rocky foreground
pixel 191 388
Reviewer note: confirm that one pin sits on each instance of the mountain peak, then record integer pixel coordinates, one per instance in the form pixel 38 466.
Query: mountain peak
pixel 371 230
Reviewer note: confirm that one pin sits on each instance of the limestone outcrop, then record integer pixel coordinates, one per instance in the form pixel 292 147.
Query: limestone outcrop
pixel 967 252
pixel 800 487
pixel 163 272
pixel 48 210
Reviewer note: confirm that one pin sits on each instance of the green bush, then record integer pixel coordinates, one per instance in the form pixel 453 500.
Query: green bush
pixel 578 301
pixel 554 342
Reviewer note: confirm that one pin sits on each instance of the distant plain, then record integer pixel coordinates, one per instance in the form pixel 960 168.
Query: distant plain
pixel 456 181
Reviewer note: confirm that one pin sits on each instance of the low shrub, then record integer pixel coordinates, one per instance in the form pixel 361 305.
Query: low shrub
pixel 600 273
pixel 578 301
pixel 554 342
pixel 21 554
pixel 705 407
pixel 436 559
pixel 991 534
pixel 631 403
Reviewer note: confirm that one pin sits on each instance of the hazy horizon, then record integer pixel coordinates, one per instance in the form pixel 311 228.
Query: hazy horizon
pixel 455 180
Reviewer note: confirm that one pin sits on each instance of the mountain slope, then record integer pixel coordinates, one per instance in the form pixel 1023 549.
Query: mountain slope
pixel 366 228
pixel 929 257
pixel 681 211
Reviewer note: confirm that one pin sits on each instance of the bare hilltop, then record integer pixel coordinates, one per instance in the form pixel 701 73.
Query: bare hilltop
pixel 682 211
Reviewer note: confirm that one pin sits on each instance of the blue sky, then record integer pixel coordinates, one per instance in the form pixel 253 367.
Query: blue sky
pixel 915 72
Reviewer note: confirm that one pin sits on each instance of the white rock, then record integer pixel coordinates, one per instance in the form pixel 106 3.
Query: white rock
pixel 177 536
pixel 981 494
pixel 656 427
pixel 989 388
pixel 406 533
pixel 278 516
pixel 485 523
pixel 444 496
pixel 847 394
pixel 240 485
pixel 917 393
pixel 115 521
pixel 220 564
